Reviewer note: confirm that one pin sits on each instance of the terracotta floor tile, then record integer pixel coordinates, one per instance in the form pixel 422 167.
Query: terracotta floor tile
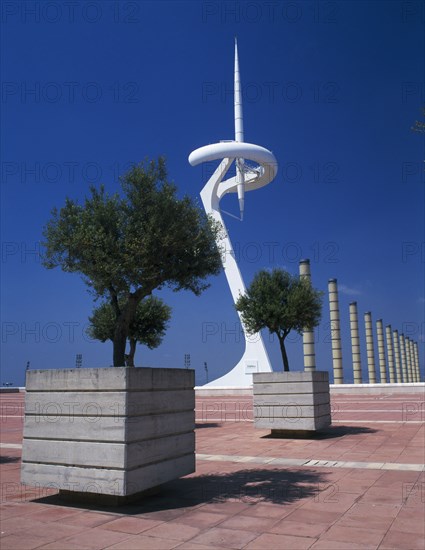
pixel 54 513
pixel 371 521
pixel 270 510
pixel 339 545
pixel 131 525
pixel 225 538
pixel 230 507
pixel 256 524
pixel 279 542
pixel 164 515
pixel 308 515
pixel 88 519
pixel 201 519
pixel 141 542
pixel 340 502
pixel 52 532
pixel 355 534
pixel 96 538
pixel 22 542
pixel 13 525
pixel 367 509
pixel 194 546
pixel 399 540
pixel 296 528
pixel 415 526
pixel 62 545
pixel 174 531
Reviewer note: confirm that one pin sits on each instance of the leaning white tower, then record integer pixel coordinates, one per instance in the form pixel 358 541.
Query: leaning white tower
pixel 260 171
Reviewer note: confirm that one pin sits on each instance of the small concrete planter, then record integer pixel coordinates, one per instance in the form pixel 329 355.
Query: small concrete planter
pixel 291 402
pixel 108 434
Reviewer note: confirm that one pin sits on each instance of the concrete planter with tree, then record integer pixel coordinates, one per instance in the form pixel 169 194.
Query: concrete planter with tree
pixel 286 402
pixel 118 432
pixel 108 434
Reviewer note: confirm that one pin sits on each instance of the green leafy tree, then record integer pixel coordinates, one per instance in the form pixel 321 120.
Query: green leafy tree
pixel 280 302
pixel 147 328
pixel 126 246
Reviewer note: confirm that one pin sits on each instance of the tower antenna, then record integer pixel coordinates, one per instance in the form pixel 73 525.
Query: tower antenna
pixel 239 137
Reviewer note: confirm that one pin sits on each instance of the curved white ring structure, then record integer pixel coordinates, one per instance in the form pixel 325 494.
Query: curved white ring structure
pixel 232 150
pixel 255 357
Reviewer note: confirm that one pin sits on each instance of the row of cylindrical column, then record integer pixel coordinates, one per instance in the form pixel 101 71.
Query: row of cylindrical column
pixel 401 352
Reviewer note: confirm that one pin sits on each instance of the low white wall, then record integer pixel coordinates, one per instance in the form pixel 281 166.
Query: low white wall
pixel 360 389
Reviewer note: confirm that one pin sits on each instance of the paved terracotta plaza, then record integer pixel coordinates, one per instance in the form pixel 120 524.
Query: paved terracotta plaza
pixel 360 484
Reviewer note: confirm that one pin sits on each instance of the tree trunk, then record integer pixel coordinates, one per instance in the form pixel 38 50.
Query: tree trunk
pixel 283 351
pixel 121 330
pixel 130 362
pixel 119 342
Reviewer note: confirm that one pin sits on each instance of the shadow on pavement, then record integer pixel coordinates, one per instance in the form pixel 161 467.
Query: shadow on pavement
pixel 328 433
pixel 249 486
pixel 199 425
pixel 9 459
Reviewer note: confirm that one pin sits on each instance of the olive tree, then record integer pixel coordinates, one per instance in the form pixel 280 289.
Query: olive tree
pixel 147 328
pixel 280 302
pixel 129 244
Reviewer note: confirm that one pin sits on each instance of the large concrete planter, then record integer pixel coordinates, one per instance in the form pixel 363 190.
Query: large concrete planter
pixel 291 402
pixel 109 433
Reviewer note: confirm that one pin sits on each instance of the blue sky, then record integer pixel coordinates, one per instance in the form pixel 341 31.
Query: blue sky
pixel 332 88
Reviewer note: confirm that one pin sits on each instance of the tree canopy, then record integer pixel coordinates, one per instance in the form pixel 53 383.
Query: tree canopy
pixel 147 328
pixel 127 245
pixel 280 302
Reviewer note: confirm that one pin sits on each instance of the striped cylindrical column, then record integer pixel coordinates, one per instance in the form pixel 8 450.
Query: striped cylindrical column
pixel 355 344
pixel 390 353
pixel 370 350
pixel 397 357
pixel 308 335
pixel 403 359
pixel 417 361
pixel 335 332
pixel 408 363
pixel 418 374
pixel 381 351
pixel 412 362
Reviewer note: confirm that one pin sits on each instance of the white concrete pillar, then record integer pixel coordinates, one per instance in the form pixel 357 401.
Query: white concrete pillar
pixel 335 332
pixel 308 335
pixel 381 351
pixel 355 344
pixel 403 359
pixel 390 354
pixel 370 350
pixel 396 342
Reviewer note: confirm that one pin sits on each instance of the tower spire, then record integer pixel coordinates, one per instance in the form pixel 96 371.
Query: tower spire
pixel 238 99
pixel 240 179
